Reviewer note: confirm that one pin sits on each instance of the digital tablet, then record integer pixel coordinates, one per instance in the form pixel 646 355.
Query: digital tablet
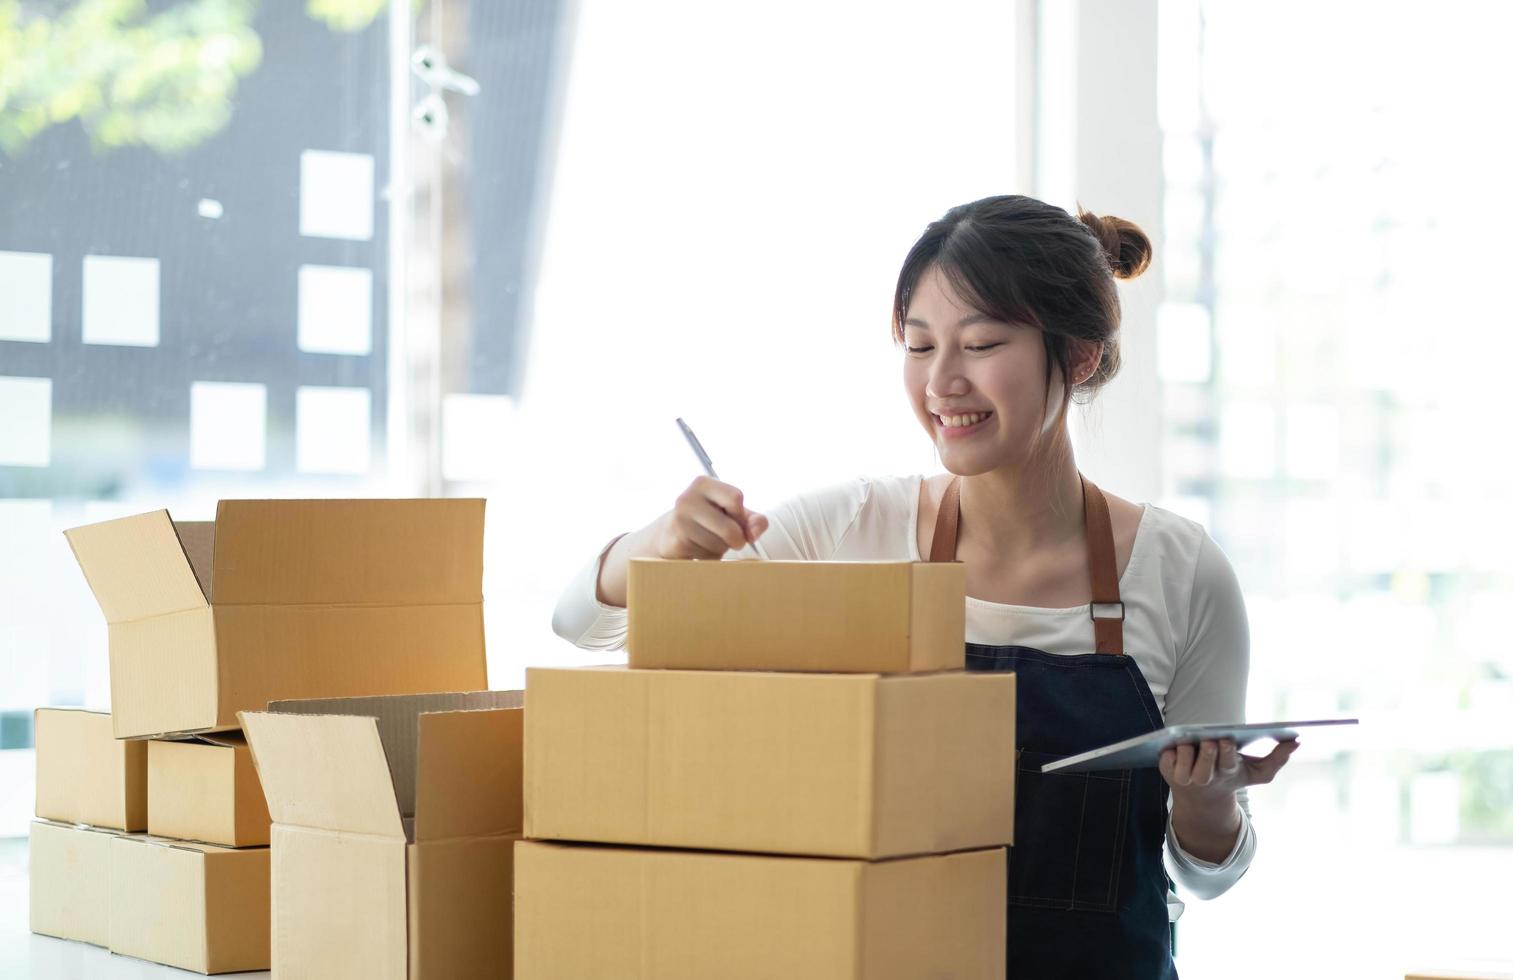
pixel 1144 751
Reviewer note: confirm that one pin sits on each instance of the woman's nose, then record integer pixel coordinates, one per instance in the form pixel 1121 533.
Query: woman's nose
pixel 946 384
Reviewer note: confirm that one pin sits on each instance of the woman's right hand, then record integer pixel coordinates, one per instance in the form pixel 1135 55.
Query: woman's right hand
pixel 709 519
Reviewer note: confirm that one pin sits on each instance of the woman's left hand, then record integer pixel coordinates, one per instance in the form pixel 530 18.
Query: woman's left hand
pixel 1212 770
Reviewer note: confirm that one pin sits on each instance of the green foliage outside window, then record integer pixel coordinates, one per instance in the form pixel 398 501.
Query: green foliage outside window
pixel 132 77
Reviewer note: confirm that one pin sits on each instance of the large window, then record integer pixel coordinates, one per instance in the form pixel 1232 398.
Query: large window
pixel 1329 349
pixel 205 208
pixel 735 189
pixel 485 249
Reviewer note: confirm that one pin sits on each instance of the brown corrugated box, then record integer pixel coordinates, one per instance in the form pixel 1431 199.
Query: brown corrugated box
pixel 587 912
pixel 70 882
pixel 84 775
pixel 285 599
pixel 194 906
pixel 394 821
pixel 866 617
pixel 839 765
pixel 204 788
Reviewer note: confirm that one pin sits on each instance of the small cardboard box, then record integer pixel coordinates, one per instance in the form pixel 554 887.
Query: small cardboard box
pixel 834 765
pixel 204 788
pixel 285 599
pixel 84 775
pixel 394 823
pixel 195 906
pixel 864 617
pixel 608 913
pixel 70 882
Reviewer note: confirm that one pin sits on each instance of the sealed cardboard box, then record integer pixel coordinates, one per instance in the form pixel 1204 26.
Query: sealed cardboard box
pixel 204 788
pixel 70 882
pixel 585 912
pixel 837 765
pixel 866 617
pixel 195 906
pixel 394 823
pixel 84 775
pixel 285 599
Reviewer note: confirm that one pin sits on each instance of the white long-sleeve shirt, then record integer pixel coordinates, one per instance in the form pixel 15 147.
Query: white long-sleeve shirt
pixel 1184 617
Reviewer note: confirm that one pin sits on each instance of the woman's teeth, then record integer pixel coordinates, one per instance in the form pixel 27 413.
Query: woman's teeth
pixel 956 421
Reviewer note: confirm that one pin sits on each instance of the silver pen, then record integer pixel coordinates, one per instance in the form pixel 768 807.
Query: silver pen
pixel 698 450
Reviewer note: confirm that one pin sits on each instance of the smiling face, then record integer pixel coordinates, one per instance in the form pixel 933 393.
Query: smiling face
pixel 976 384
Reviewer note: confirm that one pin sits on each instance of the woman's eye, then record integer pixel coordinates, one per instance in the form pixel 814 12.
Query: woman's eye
pixel 916 350
pixel 983 347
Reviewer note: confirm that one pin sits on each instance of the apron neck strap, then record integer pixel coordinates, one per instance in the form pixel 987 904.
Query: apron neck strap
pixel 1108 628
pixel 947 519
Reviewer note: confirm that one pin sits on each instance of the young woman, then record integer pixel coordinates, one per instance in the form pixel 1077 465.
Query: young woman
pixel 1118 617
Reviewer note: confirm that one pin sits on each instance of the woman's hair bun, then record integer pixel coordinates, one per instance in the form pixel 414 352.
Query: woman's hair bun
pixel 1127 248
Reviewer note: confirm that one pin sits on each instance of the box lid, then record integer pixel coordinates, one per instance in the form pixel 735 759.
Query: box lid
pixel 348 551
pixel 138 567
pixel 450 761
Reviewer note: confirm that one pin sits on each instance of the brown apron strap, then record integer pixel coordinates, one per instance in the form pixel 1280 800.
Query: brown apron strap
pixel 943 545
pixel 1108 629
pixel 1103 567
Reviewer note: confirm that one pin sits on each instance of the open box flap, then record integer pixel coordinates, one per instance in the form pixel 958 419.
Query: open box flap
pixel 468 773
pixel 326 772
pixel 136 567
pixel 398 719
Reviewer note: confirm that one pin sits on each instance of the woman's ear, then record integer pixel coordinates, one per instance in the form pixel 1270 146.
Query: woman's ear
pixel 1086 356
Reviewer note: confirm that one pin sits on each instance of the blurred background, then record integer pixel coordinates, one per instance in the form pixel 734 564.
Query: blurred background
pixel 258 248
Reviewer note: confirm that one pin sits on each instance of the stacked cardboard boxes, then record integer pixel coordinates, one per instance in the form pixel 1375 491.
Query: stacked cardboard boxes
pixel 793 777
pixel 274 599
pixel 91 791
pixel 97 878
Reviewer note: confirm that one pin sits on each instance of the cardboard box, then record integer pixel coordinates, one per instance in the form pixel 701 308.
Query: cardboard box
pixel 70 882
pixel 195 906
pixel 601 913
pixel 836 765
pixel 394 822
pixel 866 617
pixel 285 599
pixel 204 788
pixel 84 775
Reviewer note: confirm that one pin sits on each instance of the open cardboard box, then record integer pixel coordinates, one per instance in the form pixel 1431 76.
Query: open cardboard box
pixel 394 824
pixel 204 788
pixel 284 599
pixel 628 913
pixel 828 616
pixel 835 765
pixel 86 776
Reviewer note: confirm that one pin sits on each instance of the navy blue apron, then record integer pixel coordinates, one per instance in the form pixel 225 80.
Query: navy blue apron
pixel 1087 889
